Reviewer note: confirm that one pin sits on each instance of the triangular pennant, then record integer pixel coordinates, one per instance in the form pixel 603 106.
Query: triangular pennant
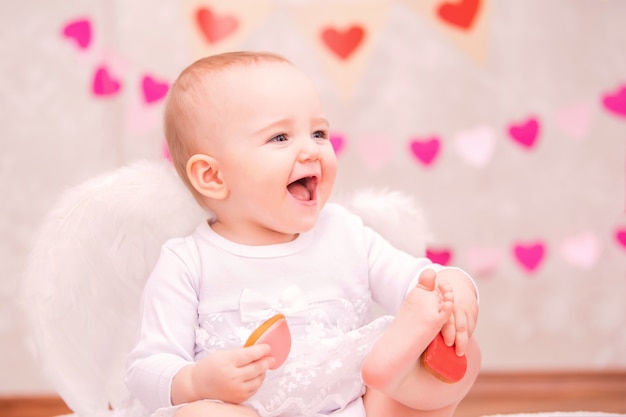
pixel 464 22
pixel 343 34
pixel 216 26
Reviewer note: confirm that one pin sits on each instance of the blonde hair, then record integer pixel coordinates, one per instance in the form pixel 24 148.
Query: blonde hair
pixel 182 123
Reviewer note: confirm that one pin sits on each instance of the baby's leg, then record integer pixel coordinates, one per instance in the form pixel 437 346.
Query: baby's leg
pixel 422 394
pixel 212 408
pixel 397 383
pixel 424 312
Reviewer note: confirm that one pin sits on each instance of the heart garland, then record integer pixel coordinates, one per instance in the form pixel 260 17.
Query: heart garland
pixel 215 27
pixel 529 255
pixel 615 102
pixel 104 83
pixel 474 146
pixel 343 43
pixel 461 14
pixel 153 90
pixel 425 150
pixel 339 142
pixel 525 133
pixel 441 256
pixel 620 237
pixel 79 31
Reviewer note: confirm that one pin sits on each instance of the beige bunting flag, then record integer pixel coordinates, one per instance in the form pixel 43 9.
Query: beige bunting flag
pixel 343 34
pixel 464 22
pixel 219 26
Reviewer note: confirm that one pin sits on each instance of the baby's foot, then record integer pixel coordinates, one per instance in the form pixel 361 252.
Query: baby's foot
pixel 422 315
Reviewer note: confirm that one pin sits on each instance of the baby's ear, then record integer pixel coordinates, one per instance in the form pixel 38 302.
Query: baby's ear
pixel 204 174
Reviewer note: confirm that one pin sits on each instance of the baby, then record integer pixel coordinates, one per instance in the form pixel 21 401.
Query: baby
pixel 247 135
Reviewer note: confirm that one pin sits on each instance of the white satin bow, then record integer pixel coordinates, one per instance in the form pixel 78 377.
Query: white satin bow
pixel 255 306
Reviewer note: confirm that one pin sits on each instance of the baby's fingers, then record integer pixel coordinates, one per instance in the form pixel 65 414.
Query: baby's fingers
pixel 247 355
pixel 448 331
pixel 455 333
pixel 255 370
pixel 251 386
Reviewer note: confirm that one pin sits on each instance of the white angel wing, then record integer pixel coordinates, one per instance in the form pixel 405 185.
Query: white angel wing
pixel 82 285
pixel 394 215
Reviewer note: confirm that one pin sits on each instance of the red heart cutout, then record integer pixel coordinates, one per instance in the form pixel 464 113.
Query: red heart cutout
pixel 442 361
pixel 214 27
pixel 529 256
pixel 153 90
pixel 439 256
pixel 104 84
pixel 425 150
pixel 80 31
pixel 525 133
pixel 343 44
pixel 461 14
pixel 616 102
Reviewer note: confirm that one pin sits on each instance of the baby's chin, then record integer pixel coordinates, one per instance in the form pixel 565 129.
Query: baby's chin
pixel 305 225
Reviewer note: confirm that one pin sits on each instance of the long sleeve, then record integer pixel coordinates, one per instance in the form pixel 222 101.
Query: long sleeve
pixel 393 273
pixel 166 337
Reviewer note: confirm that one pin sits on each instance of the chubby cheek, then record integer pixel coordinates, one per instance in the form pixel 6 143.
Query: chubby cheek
pixel 255 176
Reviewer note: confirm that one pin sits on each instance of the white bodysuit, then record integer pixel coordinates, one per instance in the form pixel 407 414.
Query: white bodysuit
pixel 207 293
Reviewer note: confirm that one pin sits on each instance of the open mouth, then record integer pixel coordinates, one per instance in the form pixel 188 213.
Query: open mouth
pixel 303 189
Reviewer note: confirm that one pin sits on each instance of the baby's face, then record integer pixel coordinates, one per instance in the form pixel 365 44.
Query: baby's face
pixel 272 144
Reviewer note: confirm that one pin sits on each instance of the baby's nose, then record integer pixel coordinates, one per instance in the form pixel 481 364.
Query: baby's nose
pixel 310 151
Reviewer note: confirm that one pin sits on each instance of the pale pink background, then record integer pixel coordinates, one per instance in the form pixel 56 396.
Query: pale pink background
pixel 486 196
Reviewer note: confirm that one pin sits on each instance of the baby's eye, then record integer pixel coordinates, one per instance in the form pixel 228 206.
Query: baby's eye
pixel 279 138
pixel 320 134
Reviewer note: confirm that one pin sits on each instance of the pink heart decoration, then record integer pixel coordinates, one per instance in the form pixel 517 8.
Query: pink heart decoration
pixel 153 90
pixel 525 133
pixel 79 31
pixel 582 250
pixel 375 152
pixel 620 237
pixel 575 120
pixel 338 143
pixel 425 151
pixel 616 102
pixel 529 256
pixel 104 84
pixel 439 256
pixel 483 262
pixel 476 146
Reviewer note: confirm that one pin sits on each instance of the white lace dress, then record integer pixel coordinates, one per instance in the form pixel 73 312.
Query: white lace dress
pixel 207 294
pixel 323 370
pixel 322 373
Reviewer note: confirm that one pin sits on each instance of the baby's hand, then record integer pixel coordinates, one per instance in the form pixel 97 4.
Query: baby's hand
pixel 232 375
pixel 460 327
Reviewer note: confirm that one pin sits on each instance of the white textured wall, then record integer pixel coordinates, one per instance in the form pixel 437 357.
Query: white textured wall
pixel 551 61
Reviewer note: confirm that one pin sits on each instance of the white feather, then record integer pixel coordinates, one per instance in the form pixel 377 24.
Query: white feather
pixel 83 281
pixel 84 278
pixel 393 214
